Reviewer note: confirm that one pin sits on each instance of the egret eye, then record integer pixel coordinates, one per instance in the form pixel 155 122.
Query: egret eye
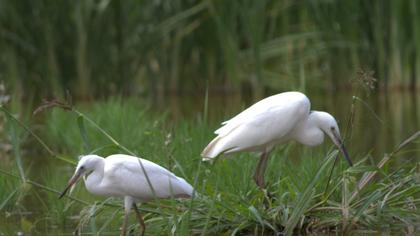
pixel 82 167
pixel 332 128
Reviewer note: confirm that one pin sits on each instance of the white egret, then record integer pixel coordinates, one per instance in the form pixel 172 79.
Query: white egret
pixel 122 176
pixel 274 120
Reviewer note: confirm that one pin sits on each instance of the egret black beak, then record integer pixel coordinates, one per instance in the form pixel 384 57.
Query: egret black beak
pixel 345 153
pixel 72 181
pixel 339 143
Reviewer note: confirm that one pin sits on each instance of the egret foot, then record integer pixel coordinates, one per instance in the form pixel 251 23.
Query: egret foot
pixel 268 194
pixel 269 198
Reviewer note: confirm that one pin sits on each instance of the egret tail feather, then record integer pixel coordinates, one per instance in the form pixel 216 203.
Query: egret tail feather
pixel 210 151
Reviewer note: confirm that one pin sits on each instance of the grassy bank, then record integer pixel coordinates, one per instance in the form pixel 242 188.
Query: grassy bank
pixel 364 198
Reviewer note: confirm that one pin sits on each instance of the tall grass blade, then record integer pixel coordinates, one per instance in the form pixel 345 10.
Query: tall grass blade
pixel 37 138
pixel 92 219
pixel 305 198
pixel 169 24
pixel 108 221
pixel 41 186
pixel 206 105
pixel 407 141
pixel 368 176
pixel 16 148
pixel 8 114
pixel 374 197
pixel 7 199
pixel 83 133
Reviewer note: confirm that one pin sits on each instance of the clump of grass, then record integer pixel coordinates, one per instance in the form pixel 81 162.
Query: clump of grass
pixel 129 122
pixel 359 199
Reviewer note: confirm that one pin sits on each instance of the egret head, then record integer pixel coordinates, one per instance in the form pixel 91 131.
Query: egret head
pixel 86 165
pixel 328 125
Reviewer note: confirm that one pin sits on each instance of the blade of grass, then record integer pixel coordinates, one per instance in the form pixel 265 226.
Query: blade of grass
pixel 44 187
pixel 7 199
pixel 362 209
pixel 108 221
pixel 92 219
pixel 43 144
pixel 206 104
pixel 368 176
pixel 83 133
pixel 305 198
pixel 16 148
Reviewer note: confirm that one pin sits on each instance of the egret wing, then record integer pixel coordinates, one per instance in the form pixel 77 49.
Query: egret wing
pixel 126 172
pixel 282 103
pixel 264 123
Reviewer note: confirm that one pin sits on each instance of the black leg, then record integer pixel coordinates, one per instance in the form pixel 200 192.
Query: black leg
pixel 125 222
pixel 141 221
pixel 259 172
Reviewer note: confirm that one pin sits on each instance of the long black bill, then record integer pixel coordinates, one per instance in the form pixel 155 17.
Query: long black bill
pixel 64 192
pixel 345 153
pixel 337 141
pixel 72 181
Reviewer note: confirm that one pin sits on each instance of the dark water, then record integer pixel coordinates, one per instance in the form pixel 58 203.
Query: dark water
pixel 380 121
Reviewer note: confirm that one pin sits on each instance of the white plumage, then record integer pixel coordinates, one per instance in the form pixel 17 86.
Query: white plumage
pixel 260 126
pixel 274 120
pixel 123 176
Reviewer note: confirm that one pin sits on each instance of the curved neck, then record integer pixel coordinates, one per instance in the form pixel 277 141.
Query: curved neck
pixel 94 179
pixel 308 131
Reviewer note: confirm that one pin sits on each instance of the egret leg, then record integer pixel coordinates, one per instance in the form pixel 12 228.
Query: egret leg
pixel 141 221
pixel 128 202
pixel 259 172
pixel 125 222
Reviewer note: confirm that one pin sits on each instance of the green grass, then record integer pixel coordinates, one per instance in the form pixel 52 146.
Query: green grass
pixel 227 201
pixel 133 47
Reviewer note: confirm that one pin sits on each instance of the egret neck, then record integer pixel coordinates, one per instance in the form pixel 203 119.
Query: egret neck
pixel 312 131
pixel 309 132
pixel 96 175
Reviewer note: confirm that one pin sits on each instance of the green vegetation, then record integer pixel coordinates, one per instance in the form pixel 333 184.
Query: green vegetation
pixel 112 55
pixel 364 198
pixel 96 48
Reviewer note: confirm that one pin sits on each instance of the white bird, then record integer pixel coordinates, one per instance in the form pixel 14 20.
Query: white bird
pixel 124 176
pixel 274 120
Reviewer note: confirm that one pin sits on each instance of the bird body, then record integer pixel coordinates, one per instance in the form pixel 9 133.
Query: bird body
pixel 122 175
pixel 128 177
pixel 274 120
pixel 260 127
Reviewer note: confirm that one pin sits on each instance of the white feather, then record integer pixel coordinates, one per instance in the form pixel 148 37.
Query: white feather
pixel 261 126
pixel 122 175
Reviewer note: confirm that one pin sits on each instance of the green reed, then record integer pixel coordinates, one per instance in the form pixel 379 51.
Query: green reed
pixel 132 47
